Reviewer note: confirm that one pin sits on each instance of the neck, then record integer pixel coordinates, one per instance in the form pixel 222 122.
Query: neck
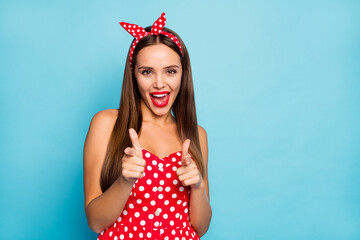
pixel 150 117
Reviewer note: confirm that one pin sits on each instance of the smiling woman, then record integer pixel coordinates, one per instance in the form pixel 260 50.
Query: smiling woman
pixel 145 164
pixel 158 73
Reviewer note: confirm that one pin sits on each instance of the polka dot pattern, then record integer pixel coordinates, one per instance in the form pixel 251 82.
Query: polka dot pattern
pixel 138 33
pixel 157 207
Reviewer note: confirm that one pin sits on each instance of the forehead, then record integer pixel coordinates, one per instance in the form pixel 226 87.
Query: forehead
pixel 158 55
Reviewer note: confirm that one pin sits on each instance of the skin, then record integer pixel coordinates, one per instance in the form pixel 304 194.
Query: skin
pixel 158 68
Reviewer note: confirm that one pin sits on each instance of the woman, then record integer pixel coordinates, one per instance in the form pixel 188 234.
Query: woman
pixel 145 164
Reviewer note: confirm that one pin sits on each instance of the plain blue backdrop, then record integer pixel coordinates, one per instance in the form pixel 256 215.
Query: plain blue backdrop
pixel 277 90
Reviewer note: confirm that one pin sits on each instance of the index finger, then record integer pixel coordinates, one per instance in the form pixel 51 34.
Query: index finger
pixel 134 139
pixel 185 149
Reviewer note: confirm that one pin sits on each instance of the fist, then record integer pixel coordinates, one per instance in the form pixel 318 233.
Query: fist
pixel 188 173
pixel 133 164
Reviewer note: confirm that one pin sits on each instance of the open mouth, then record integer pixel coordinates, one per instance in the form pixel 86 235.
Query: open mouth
pixel 160 99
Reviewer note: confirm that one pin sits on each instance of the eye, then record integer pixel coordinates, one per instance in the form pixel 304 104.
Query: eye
pixel 146 72
pixel 172 71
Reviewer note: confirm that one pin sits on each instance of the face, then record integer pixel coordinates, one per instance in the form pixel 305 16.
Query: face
pixel 158 74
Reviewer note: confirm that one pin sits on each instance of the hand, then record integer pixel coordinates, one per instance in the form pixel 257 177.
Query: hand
pixel 133 164
pixel 188 173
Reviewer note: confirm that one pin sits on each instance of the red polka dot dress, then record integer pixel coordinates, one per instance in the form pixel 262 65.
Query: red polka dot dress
pixel 158 205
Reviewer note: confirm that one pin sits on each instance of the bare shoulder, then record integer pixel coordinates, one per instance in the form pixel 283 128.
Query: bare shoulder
pixel 203 142
pixel 106 116
pixel 94 151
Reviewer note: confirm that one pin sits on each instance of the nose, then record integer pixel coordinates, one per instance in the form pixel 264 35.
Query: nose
pixel 159 81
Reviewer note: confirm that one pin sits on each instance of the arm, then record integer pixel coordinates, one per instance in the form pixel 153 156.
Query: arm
pixel 102 208
pixel 200 209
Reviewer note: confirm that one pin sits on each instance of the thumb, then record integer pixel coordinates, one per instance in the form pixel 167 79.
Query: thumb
pixel 185 153
pixel 135 140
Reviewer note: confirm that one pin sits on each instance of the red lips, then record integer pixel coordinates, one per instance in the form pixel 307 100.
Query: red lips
pixel 160 99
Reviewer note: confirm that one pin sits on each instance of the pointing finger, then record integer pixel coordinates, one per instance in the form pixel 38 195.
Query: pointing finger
pixel 134 138
pixel 184 152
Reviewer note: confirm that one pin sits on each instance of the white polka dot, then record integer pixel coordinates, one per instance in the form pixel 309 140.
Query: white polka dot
pixel 154 189
pixel 173 159
pixel 155 175
pixel 162 182
pixel 141 235
pixel 154 162
pixel 125 212
pixel 173 232
pixel 166 202
pixel 122 236
pixel 186 210
pixel 179 162
pixel 148 235
pixel 110 233
pixel 131 205
pixel 153 203
pixel 168 175
pixel 162 231
pixel 172 223
pixel 161 165
pixel 147 155
pixel 147 195
pixel 141 188
pixel 167 189
pixel 177 215
pixel 178 202
pixel 160 196
pixel 130 235
pixel 125 229
pixel 165 216
pixel 151 216
pixel 156 224
pixel 119 219
pixel 149 168
pixel 174 168
pixel 166 238
pixel 145 208
pixel 142 223
pixel 174 195
pixel 184 204
pixel 138 201
pixel 115 238
pixel 148 181
pixel 137 214
pixel 178 153
pixel 175 182
pixel 181 188
pixel 172 209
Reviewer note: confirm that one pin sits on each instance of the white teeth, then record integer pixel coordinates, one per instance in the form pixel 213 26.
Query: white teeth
pixel 159 95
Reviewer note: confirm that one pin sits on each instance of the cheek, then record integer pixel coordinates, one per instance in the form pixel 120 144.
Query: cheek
pixel 142 86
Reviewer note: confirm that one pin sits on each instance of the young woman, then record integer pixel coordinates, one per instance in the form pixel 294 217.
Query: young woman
pixel 145 164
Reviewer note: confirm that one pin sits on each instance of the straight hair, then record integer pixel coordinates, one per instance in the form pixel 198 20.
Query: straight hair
pixel 130 116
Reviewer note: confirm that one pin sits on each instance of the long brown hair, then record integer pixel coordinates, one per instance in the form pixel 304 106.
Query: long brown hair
pixel 130 116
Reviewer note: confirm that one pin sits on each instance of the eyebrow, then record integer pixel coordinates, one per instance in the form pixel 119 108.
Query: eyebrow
pixel 171 66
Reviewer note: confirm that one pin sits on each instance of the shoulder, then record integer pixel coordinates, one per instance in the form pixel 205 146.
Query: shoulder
pixel 202 132
pixel 103 120
pixel 203 142
pixel 105 116
pixel 101 126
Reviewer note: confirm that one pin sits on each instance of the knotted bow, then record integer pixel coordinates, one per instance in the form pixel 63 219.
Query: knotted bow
pixel 138 32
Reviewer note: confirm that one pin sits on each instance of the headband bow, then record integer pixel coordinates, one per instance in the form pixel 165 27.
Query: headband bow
pixel 138 32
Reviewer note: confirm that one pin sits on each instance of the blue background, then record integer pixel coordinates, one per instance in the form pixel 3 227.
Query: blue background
pixel 277 89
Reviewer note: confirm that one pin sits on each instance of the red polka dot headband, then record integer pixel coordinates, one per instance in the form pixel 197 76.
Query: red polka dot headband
pixel 138 32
